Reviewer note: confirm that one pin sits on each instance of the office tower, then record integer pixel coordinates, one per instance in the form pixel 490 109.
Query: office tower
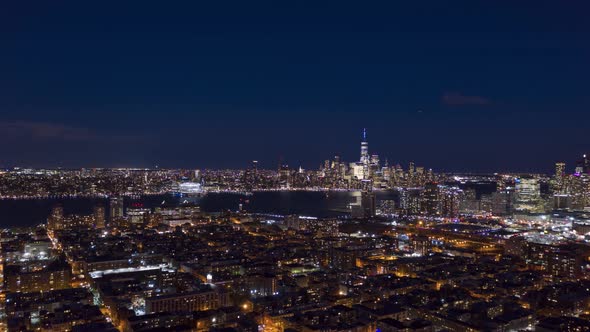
pixel 358 170
pixel 431 199
pixel 336 163
pixel 399 175
pixel 56 218
pixel 580 191
pixel 559 177
pixel 469 203
pixel 364 148
pixel 285 176
pixel 528 195
pixel 367 199
pixel 99 217
pixel 116 208
pixel 368 204
pixel 375 159
pixel 450 201
pixel 343 170
pixel 583 165
pixel 365 205
pixel 411 174
pixel 419 177
pixel 386 171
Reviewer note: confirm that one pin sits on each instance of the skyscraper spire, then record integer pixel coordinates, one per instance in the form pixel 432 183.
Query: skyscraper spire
pixel 364 148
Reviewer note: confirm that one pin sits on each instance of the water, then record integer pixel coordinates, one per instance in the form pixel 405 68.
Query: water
pixel 30 212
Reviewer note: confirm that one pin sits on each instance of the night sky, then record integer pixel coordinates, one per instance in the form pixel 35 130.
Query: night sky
pixel 476 85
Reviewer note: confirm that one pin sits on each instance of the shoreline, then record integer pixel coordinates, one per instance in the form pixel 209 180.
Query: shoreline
pixel 237 192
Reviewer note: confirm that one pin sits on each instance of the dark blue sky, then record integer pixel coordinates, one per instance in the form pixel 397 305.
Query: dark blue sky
pixel 459 85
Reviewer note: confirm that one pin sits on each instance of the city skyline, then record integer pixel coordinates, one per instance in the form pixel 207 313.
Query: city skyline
pixel 294 166
pixel 367 158
pixel 215 86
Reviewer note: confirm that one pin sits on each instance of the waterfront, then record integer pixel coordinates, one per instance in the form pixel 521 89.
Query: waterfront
pixel 30 212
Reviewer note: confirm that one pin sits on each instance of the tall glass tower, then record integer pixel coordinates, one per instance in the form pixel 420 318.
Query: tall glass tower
pixel 364 148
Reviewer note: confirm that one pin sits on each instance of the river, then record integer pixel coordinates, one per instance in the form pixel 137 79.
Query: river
pixel 30 212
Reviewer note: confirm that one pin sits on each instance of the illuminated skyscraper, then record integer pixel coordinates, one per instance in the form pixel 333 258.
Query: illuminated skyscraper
pixel 419 177
pixel 361 169
pixel 116 208
pixel 501 202
pixel 99 216
pixel 583 165
pixel 528 195
pixel 336 162
pixel 411 174
pixel 55 220
pixel 285 176
pixel 431 199
pixel 365 206
pixel 364 148
pixel 559 177
pixel 450 199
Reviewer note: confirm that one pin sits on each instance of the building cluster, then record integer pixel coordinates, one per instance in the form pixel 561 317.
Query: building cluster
pixel 572 191
pixel 332 175
pixel 502 252
pixel 512 196
pixel 338 174
pixel 178 268
pixel 38 288
pixel 58 183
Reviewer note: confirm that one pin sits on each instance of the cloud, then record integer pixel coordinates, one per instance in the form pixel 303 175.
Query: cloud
pixel 53 131
pixel 459 99
pixel 44 130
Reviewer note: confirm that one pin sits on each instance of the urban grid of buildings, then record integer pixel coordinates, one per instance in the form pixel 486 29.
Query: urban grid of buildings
pixel 450 252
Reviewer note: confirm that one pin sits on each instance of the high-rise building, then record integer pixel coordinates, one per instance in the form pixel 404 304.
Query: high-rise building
pixel 365 205
pixel 285 176
pixel 420 176
pixel 364 148
pixel 56 218
pixel 409 201
pixel 528 195
pixel 431 199
pixel 451 199
pixel 368 204
pixel 362 168
pixel 580 191
pixel 336 162
pixel 375 160
pixel 411 174
pixel 99 217
pixel 559 177
pixel 116 208
pixel 583 165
